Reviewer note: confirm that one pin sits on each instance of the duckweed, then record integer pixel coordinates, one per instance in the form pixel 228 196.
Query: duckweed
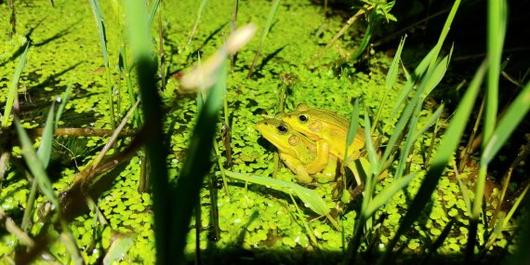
pixel 66 53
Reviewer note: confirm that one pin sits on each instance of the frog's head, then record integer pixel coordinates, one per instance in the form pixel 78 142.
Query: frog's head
pixel 279 134
pixel 303 120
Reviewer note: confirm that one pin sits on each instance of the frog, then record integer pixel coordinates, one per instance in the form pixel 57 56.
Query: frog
pixel 299 153
pixel 325 127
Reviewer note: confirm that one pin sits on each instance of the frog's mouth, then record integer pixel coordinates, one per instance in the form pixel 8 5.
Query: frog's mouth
pixel 268 131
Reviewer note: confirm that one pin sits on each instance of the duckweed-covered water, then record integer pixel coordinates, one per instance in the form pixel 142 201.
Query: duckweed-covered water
pixel 254 220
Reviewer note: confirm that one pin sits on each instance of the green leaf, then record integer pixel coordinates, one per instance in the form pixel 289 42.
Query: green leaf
pixel 386 194
pixel 45 148
pixel 13 89
pixel 449 143
pixel 35 166
pixel 310 198
pixel 64 99
pixel 513 116
pixel 352 129
pixel 497 14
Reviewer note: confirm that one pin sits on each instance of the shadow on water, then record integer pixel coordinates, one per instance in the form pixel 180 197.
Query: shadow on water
pixel 194 55
pixel 299 255
pixel 269 57
pixel 30 31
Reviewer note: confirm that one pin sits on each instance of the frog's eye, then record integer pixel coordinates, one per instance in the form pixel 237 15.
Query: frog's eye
pixel 303 118
pixel 282 129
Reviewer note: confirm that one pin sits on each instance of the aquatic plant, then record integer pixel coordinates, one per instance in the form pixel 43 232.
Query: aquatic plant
pixel 419 198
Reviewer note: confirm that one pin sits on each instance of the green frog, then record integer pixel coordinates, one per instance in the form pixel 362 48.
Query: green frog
pixel 299 153
pixel 326 128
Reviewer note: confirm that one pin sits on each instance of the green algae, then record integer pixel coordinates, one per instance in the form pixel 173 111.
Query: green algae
pixel 66 52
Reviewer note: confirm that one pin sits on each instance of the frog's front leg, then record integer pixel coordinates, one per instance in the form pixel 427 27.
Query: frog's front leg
pixel 330 171
pixel 297 167
pixel 321 160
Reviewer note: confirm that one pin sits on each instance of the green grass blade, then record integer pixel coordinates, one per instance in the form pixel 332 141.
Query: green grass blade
pixel 366 38
pixel 496 32
pixel 156 150
pixel 521 254
pixel 391 78
pixel 393 71
pixel 152 12
pixel 352 128
pixel 98 15
pixel 64 99
pixel 310 198
pixel 372 154
pixel 268 25
pixel 386 194
pixel 197 21
pixel 13 89
pixel 445 30
pixel 513 116
pixel 45 148
pixel 447 147
pixel 515 205
pixel 413 136
pixel 437 75
pixel 100 23
pixel 35 166
pixel 197 164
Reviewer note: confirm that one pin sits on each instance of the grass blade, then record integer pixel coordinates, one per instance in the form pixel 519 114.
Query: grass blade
pixel 198 163
pixel 496 33
pixel 63 99
pixel 513 116
pixel 156 150
pixel 152 12
pixel 386 194
pixel 36 166
pixel 390 78
pixel 352 129
pixel 270 19
pixel 45 148
pixel 100 23
pixel 13 89
pixel 447 147
pixel 310 198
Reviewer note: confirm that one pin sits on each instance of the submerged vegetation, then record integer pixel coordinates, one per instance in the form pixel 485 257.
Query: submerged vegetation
pixel 266 131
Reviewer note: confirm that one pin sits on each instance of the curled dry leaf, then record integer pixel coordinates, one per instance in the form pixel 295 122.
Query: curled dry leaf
pixel 204 75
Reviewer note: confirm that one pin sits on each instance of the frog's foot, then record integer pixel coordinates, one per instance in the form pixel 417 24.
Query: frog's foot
pixel 325 177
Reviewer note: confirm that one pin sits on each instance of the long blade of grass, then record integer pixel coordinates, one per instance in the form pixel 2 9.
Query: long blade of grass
pixel 156 149
pixel 513 116
pixel 428 83
pixel 496 32
pixel 352 129
pixel 36 166
pixel 310 198
pixel 366 38
pixel 197 164
pixel 100 23
pixel 152 12
pixel 12 92
pixel 521 254
pixel 391 78
pixel 449 143
pixel 445 30
pixel 45 148
pixel 386 194
pixel 268 25
pixel 413 136
pixel 64 99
